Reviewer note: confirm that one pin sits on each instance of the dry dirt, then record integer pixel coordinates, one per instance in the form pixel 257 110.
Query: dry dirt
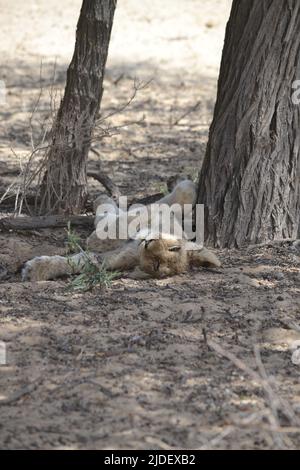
pixel 202 360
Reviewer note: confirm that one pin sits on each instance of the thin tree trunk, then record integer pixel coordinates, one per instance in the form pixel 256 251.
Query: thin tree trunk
pixel 64 186
pixel 250 178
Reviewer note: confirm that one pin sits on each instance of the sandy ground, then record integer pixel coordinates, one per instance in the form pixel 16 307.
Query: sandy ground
pixel 203 360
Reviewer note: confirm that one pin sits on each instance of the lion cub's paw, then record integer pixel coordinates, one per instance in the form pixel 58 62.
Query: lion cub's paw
pixel 37 269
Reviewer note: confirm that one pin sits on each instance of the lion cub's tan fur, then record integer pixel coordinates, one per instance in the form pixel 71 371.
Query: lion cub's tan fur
pixel 152 256
pixel 167 256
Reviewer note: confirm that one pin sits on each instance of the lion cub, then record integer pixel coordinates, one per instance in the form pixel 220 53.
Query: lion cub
pixel 149 255
pixel 149 258
pixel 166 256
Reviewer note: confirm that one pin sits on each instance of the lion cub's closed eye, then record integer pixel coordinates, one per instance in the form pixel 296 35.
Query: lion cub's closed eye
pixel 162 257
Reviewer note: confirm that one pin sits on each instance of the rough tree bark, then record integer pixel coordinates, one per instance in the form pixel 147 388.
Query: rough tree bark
pixel 250 178
pixel 64 186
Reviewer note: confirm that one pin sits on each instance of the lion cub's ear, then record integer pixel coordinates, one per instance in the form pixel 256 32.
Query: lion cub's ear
pixel 175 248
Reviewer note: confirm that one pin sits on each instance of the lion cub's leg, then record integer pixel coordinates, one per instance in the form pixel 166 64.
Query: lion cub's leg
pixel 201 256
pixel 139 275
pixel 123 258
pixel 52 267
pixel 43 268
pixel 183 193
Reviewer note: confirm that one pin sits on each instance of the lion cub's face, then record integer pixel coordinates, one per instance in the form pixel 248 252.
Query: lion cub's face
pixel 162 257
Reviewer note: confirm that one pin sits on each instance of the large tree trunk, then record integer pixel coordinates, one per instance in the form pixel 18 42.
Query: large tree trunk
pixel 64 187
pixel 250 178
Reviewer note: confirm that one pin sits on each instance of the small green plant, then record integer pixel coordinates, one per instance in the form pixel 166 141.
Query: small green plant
pixel 161 188
pixel 73 240
pixel 92 274
pixel 194 174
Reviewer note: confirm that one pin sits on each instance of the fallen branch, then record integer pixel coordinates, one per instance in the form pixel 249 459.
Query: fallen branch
pixel 51 221
pixel 105 180
pixel 147 199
